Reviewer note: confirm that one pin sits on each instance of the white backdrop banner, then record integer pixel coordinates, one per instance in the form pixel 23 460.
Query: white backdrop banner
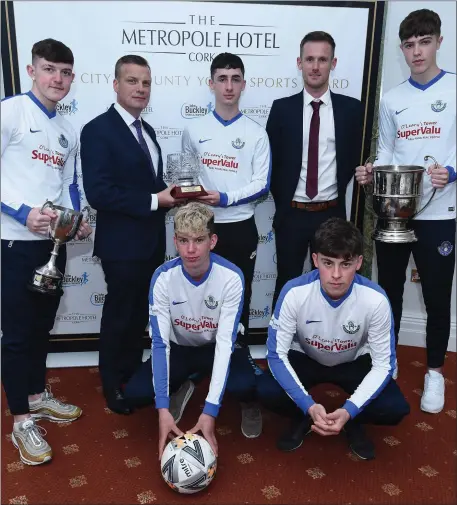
pixel 179 40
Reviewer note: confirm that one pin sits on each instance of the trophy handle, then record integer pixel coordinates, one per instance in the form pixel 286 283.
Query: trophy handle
pixel 426 158
pixel 47 205
pixel 76 224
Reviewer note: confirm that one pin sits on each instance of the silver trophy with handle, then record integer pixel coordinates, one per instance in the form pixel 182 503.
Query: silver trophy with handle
pixel 47 279
pixel 397 193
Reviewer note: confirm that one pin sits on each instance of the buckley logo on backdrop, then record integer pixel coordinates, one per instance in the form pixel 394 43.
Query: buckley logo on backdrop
pixel 76 318
pixel 266 238
pixel 70 280
pixel 97 298
pixel 67 109
pixel 191 110
pixel 259 313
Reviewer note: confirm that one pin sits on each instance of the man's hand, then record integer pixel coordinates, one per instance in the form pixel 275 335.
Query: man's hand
pixel 318 414
pixel 84 230
pixel 165 199
pixel 166 427
pixel 364 174
pixel 439 175
pixel 206 425
pixel 212 198
pixel 38 221
pixel 334 423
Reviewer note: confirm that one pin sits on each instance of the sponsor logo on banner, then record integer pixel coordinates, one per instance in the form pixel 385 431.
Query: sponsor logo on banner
pixel 93 260
pixel 76 318
pixel 147 110
pixel 266 238
pixel 97 298
pixel 275 259
pixel 70 280
pixel 269 294
pixel 169 257
pixel 256 111
pixel 191 110
pixel 166 132
pixel 67 109
pixel 169 219
pixel 260 313
pixel 264 276
pixel 92 217
pixel 86 240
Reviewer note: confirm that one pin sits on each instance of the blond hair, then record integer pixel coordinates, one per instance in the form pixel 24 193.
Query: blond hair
pixel 194 217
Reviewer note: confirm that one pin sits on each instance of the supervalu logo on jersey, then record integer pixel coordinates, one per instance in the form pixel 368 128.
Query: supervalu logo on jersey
pixel 71 280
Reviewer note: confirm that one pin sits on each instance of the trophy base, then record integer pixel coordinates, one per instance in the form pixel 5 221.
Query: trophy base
pixel 394 232
pixel 45 285
pixel 188 192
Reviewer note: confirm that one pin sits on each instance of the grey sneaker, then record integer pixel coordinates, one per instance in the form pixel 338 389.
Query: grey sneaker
pixel 33 448
pixel 48 407
pixel 251 420
pixel 178 400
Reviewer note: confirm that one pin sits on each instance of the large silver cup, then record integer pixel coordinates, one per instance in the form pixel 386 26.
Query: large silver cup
pixel 397 194
pixel 47 279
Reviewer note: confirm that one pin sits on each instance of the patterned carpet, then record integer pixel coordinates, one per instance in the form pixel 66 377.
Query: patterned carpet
pixel 107 458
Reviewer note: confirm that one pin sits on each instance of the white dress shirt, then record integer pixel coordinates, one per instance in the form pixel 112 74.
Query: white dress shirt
pixel 129 120
pixel 327 188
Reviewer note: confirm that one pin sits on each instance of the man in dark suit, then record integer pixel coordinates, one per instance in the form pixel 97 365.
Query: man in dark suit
pixel 315 136
pixel 123 180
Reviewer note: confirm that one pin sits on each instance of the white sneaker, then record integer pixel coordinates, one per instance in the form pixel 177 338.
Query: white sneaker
pixel 395 372
pixel 433 396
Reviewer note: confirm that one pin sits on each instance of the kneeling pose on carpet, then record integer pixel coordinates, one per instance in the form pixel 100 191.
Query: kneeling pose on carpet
pixel 195 306
pixel 332 325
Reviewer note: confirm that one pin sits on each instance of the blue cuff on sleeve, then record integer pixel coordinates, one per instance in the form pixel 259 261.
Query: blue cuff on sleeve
pixel 163 402
pixel 211 409
pixel 309 402
pixel 351 408
pixel 452 174
pixel 224 200
pixel 20 214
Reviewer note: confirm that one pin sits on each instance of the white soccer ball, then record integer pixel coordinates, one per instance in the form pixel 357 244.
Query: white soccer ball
pixel 188 464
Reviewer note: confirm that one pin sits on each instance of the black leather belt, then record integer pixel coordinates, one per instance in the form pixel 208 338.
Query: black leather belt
pixel 314 206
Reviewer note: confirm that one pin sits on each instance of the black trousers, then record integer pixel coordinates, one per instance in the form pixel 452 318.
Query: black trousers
pixel 294 235
pixel 237 242
pixel 388 408
pixel 185 361
pixel 27 319
pixel 434 255
pixel 125 317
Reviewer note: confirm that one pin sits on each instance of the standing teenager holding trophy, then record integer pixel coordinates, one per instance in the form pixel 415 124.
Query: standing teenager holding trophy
pixel 236 164
pixel 418 119
pixel 39 150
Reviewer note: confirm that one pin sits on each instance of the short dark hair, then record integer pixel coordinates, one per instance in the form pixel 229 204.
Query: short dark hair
pixel 318 36
pixel 420 23
pixel 226 60
pixel 338 238
pixel 129 58
pixel 53 51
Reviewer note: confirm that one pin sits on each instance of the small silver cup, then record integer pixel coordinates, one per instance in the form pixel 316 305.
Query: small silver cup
pixel 47 279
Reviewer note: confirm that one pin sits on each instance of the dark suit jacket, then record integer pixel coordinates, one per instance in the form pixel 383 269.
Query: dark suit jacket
pixel 118 183
pixel 285 131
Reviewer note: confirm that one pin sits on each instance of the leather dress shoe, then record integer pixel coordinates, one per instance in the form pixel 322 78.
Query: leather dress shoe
pixel 117 403
pixel 293 437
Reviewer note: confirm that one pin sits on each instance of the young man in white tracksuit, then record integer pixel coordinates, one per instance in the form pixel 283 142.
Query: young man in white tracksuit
pixel 333 325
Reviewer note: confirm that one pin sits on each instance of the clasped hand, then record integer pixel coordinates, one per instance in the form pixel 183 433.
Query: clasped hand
pixel 327 424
